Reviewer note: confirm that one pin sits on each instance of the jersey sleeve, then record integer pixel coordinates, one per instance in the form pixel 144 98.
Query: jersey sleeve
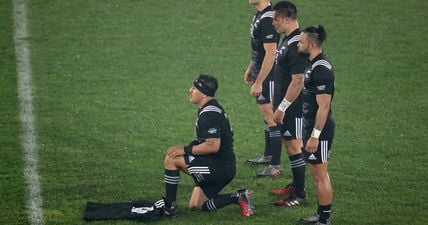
pixel 323 80
pixel 268 32
pixel 209 125
pixel 298 62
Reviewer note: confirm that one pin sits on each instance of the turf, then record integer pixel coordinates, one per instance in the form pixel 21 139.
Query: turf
pixel 12 186
pixel 111 79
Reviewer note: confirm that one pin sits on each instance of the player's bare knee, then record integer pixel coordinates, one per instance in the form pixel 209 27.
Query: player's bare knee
pixel 269 120
pixel 195 206
pixel 168 162
pixel 294 148
pixel 323 177
pixel 293 151
pixel 316 178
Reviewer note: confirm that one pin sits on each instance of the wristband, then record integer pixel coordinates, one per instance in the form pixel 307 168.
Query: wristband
pixel 316 133
pixel 284 105
pixel 188 149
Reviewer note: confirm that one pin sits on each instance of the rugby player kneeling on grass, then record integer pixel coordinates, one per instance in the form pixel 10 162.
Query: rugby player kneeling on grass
pixel 209 159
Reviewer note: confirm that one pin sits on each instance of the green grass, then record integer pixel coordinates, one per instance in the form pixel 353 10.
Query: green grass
pixel 12 185
pixel 111 79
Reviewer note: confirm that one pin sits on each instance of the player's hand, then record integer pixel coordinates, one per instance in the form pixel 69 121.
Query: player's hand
pixel 278 116
pixel 248 79
pixel 256 89
pixel 312 145
pixel 175 151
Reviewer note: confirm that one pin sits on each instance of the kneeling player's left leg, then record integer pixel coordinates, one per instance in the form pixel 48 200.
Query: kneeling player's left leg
pixel 205 196
pixel 197 199
pixel 201 202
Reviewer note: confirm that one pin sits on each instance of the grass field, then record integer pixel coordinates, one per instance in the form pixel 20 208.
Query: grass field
pixel 110 81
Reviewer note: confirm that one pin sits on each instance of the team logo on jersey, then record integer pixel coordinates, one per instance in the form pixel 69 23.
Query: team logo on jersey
pixel 279 52
pixel 282 50
pixel 253 25
pixel 307 73
pixel 270 36
pixel 212 130
pixel 321 88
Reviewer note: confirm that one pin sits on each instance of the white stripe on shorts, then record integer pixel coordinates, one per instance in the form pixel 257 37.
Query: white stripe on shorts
pixel 199 169
pixel 271 90
pixel 324 151
pixel 299 128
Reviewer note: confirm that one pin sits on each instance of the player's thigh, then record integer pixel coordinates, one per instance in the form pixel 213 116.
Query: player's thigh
pixel 292 127
pixel 324 150
pixel 213 186
pixel 267 92
pixel 210 174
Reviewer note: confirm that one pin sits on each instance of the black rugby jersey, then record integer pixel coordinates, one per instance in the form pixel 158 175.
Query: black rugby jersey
pixel 319 79
pixel 212 122
pixel 288 61
pixel 262 31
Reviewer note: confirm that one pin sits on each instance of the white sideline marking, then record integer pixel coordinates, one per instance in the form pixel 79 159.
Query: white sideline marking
pixel 22 52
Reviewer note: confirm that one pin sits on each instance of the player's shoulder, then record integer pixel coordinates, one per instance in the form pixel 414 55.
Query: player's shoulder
pixel 322 63
pixel 293 39
pixel 212 108
pixel 323 67
pixel 293 49
pixel 267 14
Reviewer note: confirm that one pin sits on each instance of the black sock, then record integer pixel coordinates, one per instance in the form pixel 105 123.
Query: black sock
pixel 298 168
pixel 220 201
pixel 275 145
pixel 171 178
pixel 318 210
pixel 267 141
pixel 324 212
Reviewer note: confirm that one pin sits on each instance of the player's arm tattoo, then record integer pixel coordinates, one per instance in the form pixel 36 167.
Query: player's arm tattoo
pixel 211 145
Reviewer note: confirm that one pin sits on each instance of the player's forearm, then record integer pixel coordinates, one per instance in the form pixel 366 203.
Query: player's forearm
pixel 208 147
pixel 267 64
pixel 294 88
pixel 321 117
pixel 250 66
